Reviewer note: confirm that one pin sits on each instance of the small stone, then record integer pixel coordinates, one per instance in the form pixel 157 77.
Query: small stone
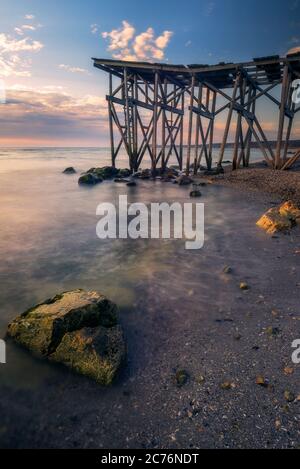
pixel 289 396
pixel 237 336
pixel 244 286
pixel 227 385
pixel 277 424
pixel 227 270
pixel 261 381
pixel 273 331
pixel 288 370
pixel 200 379
pixel 181 378
pixel 195 194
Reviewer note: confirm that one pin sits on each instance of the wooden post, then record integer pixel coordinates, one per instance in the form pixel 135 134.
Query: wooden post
pixel 237 132
pixel 188 160
pixel 211 133
pixel 154 136
pixel 135 124
pixel 181 134
pixel 111 129
pixel 291 107
pixel 127 119
pixel 227 127
pixel 285 80
pixel 163 130
pixel 197 129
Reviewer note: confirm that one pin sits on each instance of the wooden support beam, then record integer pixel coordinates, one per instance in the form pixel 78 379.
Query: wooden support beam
pixel 111 129
pixel 226 132
pixel 155 121
pixel 284 90
pixel 188 162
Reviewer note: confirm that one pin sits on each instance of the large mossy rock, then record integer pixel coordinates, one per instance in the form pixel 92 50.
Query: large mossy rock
pixel 96 175
pixel 79 329
pixel 281 218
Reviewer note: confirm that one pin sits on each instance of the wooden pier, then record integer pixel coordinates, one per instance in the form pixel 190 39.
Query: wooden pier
pixel 159 109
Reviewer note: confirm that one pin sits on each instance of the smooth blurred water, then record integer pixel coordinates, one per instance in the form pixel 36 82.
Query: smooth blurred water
pixel 48 242
pixel 19 159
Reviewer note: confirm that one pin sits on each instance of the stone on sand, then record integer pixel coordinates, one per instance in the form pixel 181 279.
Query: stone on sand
pixel 281 218
pixel 77 328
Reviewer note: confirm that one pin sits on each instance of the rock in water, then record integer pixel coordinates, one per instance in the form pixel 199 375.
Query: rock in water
pixel 69 170
pixel 89 179
pixel 184 180
pixel 79 329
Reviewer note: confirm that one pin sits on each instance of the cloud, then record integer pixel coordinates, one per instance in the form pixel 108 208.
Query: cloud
pixel 119 38
pixel 188 43
pixel 20 30
pixel 209 8
pixel 29 17
pixel 94 28
pixel 126 45
pixel 294 50
pixel 71 69
pixel 13 55
pixel 51 113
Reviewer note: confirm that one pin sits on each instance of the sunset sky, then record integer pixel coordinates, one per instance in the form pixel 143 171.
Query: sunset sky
pixel 54 97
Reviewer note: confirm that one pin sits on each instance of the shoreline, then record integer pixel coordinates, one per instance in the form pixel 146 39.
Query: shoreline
pixel 259 181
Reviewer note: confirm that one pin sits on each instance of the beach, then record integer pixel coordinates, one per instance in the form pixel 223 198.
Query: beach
pixel 179 310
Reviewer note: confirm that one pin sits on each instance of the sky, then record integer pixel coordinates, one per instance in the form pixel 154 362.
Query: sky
pixel 54 96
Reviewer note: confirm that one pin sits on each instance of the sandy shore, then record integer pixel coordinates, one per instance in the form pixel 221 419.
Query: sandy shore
pixel 284 185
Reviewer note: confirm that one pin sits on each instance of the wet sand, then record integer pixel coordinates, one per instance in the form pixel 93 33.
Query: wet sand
pixel 179 311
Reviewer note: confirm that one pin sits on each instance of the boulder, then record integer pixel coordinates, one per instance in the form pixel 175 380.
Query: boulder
pixel 184 180
pixel 89 179
pixel 290 210
pixel 123 173
pixel 96 175
pixel 78 329
pixel 69 170
pixel 281 218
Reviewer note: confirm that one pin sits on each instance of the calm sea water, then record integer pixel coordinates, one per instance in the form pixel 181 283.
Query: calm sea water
pixel 20 159
pixel 48 243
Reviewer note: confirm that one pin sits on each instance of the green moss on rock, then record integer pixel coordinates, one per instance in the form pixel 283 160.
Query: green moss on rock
pixel 68 318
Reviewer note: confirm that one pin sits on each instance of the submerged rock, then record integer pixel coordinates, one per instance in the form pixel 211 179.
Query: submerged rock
pixel 184 180
pixel 96 175
pixel 195 193
pixel 131 183
pixel 123 173
pixel 89 179
pixel 281 218
pixel 121 180
pixel 69 170
pixel 79 329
